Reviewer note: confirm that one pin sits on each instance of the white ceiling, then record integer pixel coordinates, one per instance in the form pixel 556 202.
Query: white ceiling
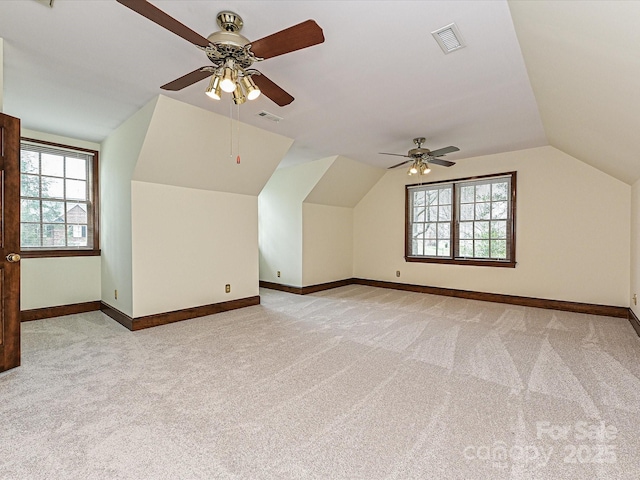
pixel 81 68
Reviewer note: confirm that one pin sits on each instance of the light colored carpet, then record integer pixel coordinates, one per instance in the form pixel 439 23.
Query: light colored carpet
pixel 351 383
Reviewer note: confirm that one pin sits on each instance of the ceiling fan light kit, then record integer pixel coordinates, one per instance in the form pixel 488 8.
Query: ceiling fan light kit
pixel 232 54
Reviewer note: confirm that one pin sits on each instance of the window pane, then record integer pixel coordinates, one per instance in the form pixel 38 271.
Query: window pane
pixel 52 165
pixel 432 214
pixel 419 214
pixel 52 212
pixel 466 248
pixel 430 230
pixel 29 185
pixel 76 168
pixel 29 162
pixel 52 187
pixel 76 189
pixel 499 210
pixel 417 247
pixel 483 211
pixel 29 210
pixel 432 197
pixel 499 249
pixel 443 248
pixel 444 213
pixel 481 248
pixel 499 229
pixel 430 248
pixel 467 194
pixel 466 229
pixel 481 230
pixel 445 196
pixel 418 230
pixel 444 230
pixel 467 212
pixel 499 191
pixel 77 212
pixel 53 235
pixel 77 235
pixel 29 235
pixel 483 193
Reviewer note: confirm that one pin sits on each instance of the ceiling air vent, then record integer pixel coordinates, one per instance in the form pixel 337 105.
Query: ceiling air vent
pixel 269 116
pixel 449 38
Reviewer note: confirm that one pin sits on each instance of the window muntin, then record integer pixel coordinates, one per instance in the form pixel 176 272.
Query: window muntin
pixel 467 221
pixel 57 199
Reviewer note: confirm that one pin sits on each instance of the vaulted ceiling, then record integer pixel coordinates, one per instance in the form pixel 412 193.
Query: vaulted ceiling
pixel 533 73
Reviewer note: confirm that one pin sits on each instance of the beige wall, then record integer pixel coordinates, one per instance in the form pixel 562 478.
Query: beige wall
pixel 188 243
pixel 1 72
pixel 572 231
pixel 50 282
pixel 306 220
pixel 119 156
pixel 280 220
pixel 194 210
pixel 327 234
pixel 635 245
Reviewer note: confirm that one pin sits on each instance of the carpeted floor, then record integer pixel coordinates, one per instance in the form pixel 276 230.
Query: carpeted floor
pixel 351 383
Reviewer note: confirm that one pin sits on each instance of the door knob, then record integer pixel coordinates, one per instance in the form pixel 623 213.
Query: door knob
pixel 13 257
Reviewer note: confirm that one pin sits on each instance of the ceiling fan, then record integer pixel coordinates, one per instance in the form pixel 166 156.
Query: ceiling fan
pixel 232 54
pixel 422 157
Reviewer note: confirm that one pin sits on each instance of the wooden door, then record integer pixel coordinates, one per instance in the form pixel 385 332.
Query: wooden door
pixel 9 242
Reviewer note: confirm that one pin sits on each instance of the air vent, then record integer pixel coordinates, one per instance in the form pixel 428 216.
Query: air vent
pixel 449 38
pixel 269 116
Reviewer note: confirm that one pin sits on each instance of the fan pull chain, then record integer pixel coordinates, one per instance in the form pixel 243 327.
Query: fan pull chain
pixel 238 136
pixel 230 130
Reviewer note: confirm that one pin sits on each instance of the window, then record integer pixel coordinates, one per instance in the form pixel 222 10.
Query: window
pixel 58 200
pixel 467 221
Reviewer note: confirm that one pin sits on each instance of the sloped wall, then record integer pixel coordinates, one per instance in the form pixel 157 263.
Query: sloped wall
pixel 572 231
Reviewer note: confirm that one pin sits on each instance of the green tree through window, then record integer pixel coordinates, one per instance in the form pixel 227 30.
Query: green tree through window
pixel 57 199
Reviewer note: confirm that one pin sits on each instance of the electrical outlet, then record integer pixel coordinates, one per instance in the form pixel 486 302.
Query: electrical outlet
pixel 278 273
pixel 397 273
pixel 115 294
pixel 227 288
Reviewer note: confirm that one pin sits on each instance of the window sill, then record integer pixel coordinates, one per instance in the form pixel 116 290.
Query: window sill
pixel 58 253
pixel 459 261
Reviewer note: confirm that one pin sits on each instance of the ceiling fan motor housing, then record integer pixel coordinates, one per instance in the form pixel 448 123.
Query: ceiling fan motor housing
pixel 419 152
pixel 228 43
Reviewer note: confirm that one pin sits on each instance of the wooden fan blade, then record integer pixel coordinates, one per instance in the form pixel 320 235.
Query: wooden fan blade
pixel 272 91
pixel 440 161
pixel 186 80
pixel 156 15
pixel 443 151
pixel 394 154
pixel 303 35
pixel 399 164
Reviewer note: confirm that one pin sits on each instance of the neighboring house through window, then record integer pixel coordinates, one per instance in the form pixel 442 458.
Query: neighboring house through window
pixel 58 200
pixel 466 221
